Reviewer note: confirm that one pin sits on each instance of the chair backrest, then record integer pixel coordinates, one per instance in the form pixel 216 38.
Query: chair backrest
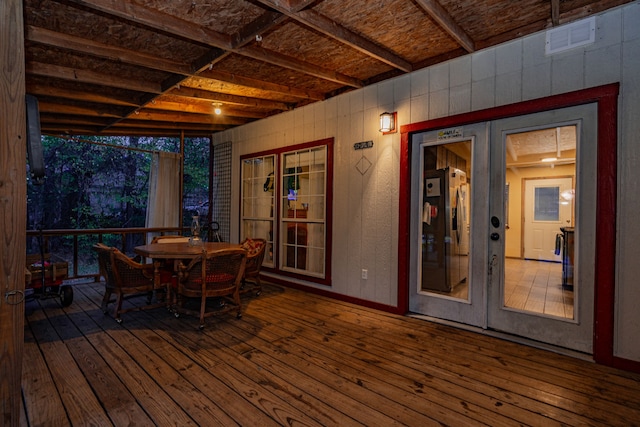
pixel 128 273
pixel 104 263
pixel 220 271
pixel 256 249
pixel 169 239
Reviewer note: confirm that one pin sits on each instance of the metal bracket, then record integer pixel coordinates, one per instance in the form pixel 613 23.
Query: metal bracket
pixel 14 293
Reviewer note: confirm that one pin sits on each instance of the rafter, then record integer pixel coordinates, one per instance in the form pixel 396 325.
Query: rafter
pixel 101 50
pixel 93 77
pixel 442 17
pixel 153 18
pixel 285 61
pixel 180 117
pixel 230 99
pixel 338 32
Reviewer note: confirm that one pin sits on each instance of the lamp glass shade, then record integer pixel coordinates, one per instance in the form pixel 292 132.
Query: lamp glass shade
pixel 387 122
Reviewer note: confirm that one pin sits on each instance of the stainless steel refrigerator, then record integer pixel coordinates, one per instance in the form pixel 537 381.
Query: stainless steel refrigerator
pixel 445 230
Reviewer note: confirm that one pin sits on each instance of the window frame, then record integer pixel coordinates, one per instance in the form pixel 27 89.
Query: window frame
pixel 279 217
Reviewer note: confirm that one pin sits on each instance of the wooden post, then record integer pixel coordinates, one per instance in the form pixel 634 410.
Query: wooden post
pixel 13 203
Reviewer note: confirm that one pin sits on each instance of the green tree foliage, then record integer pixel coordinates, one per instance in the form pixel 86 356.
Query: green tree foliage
pixel 102 182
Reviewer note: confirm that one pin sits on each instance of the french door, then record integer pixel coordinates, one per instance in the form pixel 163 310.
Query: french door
pixel 522 175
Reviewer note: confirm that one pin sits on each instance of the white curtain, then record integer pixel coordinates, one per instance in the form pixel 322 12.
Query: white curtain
pixel 163 204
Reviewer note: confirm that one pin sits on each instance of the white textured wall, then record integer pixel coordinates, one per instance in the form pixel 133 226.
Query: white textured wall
pixel 366 206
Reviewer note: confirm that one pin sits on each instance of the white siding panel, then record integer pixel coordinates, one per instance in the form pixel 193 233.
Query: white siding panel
pixel 628 268
pixel 536 81
pixel 460 99
pixel 439 77
pixel 402 88
pixel 508 88
pixel 509 57
pixel 533 51
pixel 439 104
pixel 483 64
pixel 420 82
pixel 631 22
pixel 567 71
pixel 595 73
pixel 460 71
pixel 419 109
pixel 608 30
pixel 483 94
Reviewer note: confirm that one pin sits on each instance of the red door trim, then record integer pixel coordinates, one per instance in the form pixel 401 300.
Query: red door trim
pixel 606 98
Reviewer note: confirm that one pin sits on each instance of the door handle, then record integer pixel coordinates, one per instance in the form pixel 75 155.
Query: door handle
pixel 495 236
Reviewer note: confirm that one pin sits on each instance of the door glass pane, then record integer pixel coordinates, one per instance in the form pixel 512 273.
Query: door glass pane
pixel 546 204
pixel 446 219
pixel 539 256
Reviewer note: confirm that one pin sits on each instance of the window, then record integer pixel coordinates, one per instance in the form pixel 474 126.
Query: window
pixel 297 227
pixel 258 201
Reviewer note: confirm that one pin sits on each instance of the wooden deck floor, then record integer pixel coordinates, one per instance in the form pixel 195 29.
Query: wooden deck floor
pixel 300 359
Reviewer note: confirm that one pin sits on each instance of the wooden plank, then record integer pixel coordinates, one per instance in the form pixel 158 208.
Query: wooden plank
pixel 301 358
pixel 201 388
pixel 538 380
pixel 43 404
pixel 80 403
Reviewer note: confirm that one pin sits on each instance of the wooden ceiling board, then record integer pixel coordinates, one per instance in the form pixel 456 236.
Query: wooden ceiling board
pixel 225 16
pixel 241 65
pixel 153 66
pixel 391 23
pixel 223 87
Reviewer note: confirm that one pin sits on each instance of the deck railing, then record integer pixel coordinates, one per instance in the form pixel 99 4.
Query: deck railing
pixel 75 246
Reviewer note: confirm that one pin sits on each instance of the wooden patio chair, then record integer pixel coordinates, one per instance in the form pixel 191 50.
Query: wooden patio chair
pixel 106 271
pixel 131 278
pixel 214 275
pixel 256 249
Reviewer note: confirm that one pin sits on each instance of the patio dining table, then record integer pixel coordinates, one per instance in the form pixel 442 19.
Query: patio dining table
pixel 160 253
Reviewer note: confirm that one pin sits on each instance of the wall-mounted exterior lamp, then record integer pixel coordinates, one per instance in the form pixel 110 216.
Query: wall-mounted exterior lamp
pixel 388 122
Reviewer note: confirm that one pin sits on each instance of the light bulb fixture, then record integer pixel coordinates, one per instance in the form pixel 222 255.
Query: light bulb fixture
pixel 388 122
pixel 216 108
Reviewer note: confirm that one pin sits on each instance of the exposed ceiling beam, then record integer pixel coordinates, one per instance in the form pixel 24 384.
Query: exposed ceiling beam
pixel 153 18
pixel 338 32
pixel 442 17
pixel 285 61
pixel 181 117
pixel 230 99
pixel 178 27
pixel 46 106
pixel 555 12
pixel 224 76
pixel 44 90
pixel 257 27
pixel 90 47
pixel 93 77
pixel 201 108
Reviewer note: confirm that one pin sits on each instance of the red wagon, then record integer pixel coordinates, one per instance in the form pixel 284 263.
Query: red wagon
pixel 47 281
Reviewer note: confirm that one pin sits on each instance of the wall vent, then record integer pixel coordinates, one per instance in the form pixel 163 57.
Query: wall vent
pixel 571 35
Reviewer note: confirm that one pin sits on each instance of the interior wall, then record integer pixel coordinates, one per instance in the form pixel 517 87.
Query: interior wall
pixel 513 235
pixel 365 225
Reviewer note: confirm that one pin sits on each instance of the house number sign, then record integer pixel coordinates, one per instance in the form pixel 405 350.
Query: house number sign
pixel 362 145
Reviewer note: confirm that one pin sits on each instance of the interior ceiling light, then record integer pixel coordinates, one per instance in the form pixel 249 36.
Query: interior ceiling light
pixel 549 159
pixel 217 109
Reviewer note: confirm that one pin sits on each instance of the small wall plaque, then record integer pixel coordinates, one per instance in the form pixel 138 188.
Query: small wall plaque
pixel 362 145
